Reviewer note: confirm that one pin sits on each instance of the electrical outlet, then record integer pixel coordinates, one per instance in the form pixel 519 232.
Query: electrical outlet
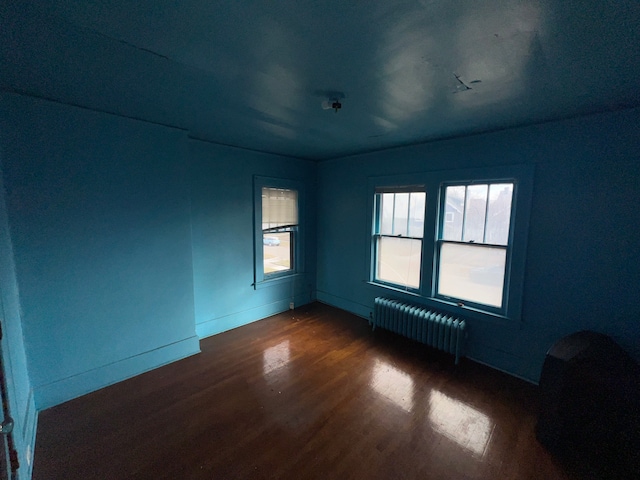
pixel 290 305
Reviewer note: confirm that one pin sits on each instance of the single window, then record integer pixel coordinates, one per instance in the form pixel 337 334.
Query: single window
pixel 279 228
pixel 473 244
pixel 397 236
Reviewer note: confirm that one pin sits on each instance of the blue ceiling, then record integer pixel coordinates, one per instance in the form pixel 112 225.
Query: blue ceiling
pixel 255 73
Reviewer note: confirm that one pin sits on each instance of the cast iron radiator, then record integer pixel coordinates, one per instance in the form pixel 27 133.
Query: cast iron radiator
pixel 422 324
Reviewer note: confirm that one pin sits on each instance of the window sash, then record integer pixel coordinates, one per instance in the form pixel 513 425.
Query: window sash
pixel 278 212
pixel 272 264
pixel 487 227
pixel 283 228
pixel 513 242
pixel 479 285
pixel 397 238
pixel 479 281
pixel 389 219
pixel 279 207
pixel 279 215
pixel 401 266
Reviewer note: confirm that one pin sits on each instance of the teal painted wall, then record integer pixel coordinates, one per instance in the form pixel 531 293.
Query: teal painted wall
pixel 99 213
pixel 124 242
pixel 583 264
pixel 223 243
pixel 131 242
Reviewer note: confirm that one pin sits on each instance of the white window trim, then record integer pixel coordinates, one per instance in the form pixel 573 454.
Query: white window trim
pixel 522 176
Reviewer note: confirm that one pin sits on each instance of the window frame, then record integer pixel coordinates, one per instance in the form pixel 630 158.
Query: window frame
pixel 434 185
pixel 439 242
pixel 297 233
pixel 376 235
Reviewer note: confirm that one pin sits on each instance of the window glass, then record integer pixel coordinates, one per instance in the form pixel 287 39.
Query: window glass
pixel 475 210
pixel 416 214
pixel 397 256
pixel 279 222
pixel 454 211
pixel 478 215
pixel 386 208
pixel 472 272
pixel 399 261
pixel 466 249
pixel 499 213
pixel 401 214
pixel 277 252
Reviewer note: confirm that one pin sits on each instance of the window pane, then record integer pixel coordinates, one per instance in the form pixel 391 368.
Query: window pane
pixel 474 213
pixel 399 261
pixel 401 214
pixel 279 207
pixel 386 212
pixel 499 213
pixel 453 213
pixel 276 252
pixel 472 272
pixel 416 214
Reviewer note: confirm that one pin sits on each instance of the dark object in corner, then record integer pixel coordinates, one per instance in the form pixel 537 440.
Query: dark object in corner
pixel 590 405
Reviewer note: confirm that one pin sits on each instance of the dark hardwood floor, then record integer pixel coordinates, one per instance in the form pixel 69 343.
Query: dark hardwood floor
pixel 307 394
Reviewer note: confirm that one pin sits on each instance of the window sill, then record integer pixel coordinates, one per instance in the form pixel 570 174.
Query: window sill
pixel 395 289
pixel 467 312
pixel 272 282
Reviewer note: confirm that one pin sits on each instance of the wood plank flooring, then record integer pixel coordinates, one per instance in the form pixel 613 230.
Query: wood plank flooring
pixel 306 394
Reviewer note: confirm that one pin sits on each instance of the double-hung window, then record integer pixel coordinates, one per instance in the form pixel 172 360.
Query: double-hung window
pixel 279 229
pixel 459 238
pixel 473 243
pixel 398 234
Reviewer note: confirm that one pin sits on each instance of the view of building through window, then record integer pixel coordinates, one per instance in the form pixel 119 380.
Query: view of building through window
pixel 473 242
pixel 453 237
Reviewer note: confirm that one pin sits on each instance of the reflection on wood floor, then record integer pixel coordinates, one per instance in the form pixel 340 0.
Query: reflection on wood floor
pixel 306 394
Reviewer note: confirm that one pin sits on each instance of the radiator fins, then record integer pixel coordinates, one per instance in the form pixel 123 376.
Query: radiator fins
pixel 432 328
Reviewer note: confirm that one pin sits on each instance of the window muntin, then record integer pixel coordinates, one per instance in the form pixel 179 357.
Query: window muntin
pixel 505 228
pixel 473 243
pixel 398 235
pixel 279 229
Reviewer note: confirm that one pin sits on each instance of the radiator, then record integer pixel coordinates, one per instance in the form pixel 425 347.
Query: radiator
pixel 422 324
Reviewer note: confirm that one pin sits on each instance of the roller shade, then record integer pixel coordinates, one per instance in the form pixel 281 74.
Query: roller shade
pixel 279 208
